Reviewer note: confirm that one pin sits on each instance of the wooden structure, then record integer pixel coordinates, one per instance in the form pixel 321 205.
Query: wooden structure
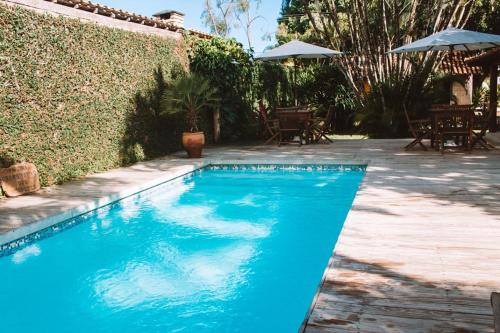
pixel 481 126
pixel 495 304
pixel 270 126
pixel 419 128
pixel 456 122
pixel 320 127
pixel 490 61
pixel 293 123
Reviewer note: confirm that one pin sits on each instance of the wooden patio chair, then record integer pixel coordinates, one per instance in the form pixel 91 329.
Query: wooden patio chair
pixel 436 109
pixel 495 304
pixel 455 123
pixel 419 128
pixel 321 127
pixel 292 125
pixel 271 126
pixel 481 126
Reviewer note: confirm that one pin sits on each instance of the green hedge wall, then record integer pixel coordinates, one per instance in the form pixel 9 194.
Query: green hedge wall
pixel 77 98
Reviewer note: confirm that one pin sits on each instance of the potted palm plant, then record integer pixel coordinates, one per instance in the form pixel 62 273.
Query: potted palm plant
pixel 191 94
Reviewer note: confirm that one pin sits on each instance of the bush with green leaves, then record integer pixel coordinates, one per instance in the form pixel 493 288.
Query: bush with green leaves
pixel 230 69
pixel 273 83
pixel 389 120
pixel 78 98
pixel 323 86
pixel 191 95
pixel 243 81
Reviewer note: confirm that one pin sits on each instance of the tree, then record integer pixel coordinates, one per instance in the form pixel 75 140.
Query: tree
pixel 485 16
pixel 385 84
pixel 294 23
pixel 229 68
pixel 191 94
pixel 219 16
pixel 247 14
pixel 368 29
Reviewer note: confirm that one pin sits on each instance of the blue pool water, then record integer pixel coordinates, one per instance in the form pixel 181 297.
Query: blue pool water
pixel 219 251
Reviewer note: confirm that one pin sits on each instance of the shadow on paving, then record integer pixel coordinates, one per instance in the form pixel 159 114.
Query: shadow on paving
pixel 373 298
pixel 471 179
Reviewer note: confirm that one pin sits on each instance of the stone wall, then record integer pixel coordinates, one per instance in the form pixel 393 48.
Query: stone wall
pixel 462 90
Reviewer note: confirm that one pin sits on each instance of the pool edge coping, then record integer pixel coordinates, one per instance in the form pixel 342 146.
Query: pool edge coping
pixel 109 199
pixel 96 204
pixel 314 301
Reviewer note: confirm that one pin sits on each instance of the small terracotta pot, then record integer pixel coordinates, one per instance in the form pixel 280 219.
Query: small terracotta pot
pixel 193 143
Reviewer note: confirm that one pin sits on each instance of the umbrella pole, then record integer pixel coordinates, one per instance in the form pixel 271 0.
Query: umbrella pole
pixel 295 81
pixel 452 73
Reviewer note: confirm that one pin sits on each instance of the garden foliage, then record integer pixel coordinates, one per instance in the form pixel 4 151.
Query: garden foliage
pixel 243 81
pixel 231 71
pixel 77 98
pixel 385 85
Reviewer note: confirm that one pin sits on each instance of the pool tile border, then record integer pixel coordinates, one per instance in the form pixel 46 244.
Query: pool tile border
pixel 289 167
pixel 22 237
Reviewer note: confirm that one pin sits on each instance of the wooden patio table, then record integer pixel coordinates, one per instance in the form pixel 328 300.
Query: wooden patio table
pixel 451 114
pixel 295 121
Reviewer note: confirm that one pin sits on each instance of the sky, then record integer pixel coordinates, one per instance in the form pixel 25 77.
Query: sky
pixel 193 9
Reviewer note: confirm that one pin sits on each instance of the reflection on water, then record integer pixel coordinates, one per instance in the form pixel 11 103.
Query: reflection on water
pixel 21 256
pixel 175 277
pixel 205 218
pixel 250 200
pixel 172 274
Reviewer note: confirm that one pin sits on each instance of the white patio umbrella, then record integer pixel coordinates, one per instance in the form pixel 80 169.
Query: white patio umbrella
pixel 452 39
pixel 297 50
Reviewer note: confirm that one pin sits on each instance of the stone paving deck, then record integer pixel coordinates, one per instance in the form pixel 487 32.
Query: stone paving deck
pixel 419 252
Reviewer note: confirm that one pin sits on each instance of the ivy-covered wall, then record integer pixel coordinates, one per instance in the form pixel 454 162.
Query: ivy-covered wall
pixel 77 98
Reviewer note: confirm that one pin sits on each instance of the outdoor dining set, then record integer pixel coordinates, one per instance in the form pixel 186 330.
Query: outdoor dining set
pixel 295 125
pixel 452 126
pixel 448 125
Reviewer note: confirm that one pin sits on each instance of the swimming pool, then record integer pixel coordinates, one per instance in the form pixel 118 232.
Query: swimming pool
pixel 225 249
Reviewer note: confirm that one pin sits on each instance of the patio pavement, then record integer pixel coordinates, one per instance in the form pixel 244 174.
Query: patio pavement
pixel 419 252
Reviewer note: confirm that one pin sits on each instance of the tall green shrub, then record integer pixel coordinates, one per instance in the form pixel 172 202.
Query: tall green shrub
pixel 273 83
pixel 388 120
pixel 324 86
pixel 77 98
pixel 230 69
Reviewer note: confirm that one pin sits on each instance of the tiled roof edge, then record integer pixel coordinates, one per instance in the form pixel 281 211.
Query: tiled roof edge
pixel 124 15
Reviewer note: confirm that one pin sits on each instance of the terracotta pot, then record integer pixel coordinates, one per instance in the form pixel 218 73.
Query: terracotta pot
pixel 193 143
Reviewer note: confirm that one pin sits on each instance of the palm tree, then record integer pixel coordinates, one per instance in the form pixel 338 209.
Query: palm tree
pixel 190 94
